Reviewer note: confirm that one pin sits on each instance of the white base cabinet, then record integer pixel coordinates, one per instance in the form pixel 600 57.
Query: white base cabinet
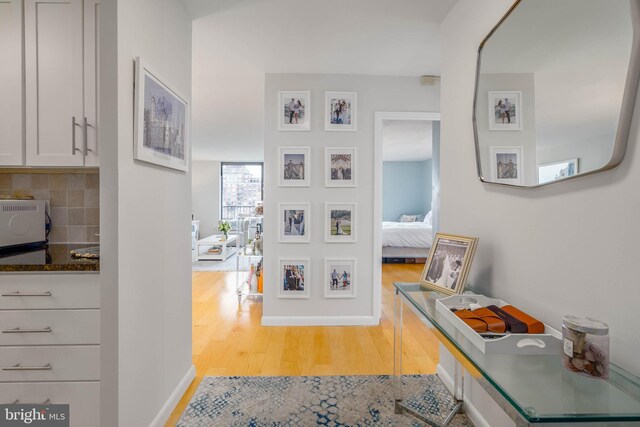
pixel 50 342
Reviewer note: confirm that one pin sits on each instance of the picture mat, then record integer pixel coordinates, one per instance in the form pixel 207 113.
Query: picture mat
pixel 283 237
pixel 330 152
pixel 329 223
pixel 284 98
pixel 290 153
pixel 305 263
pixel 340 264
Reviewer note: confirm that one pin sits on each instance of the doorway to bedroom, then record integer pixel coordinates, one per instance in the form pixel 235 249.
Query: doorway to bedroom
pixel 407 183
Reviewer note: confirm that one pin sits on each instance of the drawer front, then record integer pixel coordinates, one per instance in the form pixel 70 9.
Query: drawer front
pixel 64 363
pixel 49 327
pixel 49 291
pixel 83 398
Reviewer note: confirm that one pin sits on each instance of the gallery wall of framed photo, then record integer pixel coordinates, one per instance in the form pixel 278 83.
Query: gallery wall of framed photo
pixel 508 121
pixel 318 197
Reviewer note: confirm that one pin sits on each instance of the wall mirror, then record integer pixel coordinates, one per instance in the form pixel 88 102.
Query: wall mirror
pixel 555 90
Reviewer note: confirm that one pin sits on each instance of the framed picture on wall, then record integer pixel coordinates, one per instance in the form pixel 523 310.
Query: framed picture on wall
pixel 340 111
pixel 161 124
pixel 294 222
pixel 340 222
pixel 294 110
pixel 505 110
pixel 293 277
pixel 339 278
pixel 557 170
pixel 340 167
pixel 449 263
pixel 507 165
pixel 295 167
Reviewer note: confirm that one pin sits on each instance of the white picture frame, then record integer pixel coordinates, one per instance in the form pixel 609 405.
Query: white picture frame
pixel 502 118
pixel 293 272
pixel 340 168
pixel 507 165
pixel 302 107
pixel 336 285
pixel 343 118
pixel 294 222
pixel 294 162
pixel 160 110
pixel 340 222
pixel 556 171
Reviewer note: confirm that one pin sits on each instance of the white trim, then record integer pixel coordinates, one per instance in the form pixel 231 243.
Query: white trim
pixel 319 321
pixel 171 403
pixel 377 196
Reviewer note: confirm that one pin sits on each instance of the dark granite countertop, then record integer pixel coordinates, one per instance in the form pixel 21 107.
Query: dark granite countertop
pixel 52 257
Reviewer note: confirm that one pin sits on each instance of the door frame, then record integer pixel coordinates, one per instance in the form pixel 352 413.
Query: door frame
pixel 380 116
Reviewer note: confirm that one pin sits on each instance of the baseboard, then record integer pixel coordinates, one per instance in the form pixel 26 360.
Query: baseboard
pixel 319 321
pixel 469 408
pixel 174 398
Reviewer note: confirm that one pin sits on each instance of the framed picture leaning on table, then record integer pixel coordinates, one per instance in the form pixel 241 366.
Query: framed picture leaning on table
pixel 448 264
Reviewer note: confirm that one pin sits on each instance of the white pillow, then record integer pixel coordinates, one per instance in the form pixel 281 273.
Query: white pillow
pixel 428 219
pixel 408 218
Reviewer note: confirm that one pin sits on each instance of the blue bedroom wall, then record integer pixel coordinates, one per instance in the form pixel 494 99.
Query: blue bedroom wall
pixel 406 189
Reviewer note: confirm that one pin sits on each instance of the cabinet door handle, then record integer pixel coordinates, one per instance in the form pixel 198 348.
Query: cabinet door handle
pixel 17 367
pixel 86 138
pixel 28 294
pixel 26 331
pixel 73 136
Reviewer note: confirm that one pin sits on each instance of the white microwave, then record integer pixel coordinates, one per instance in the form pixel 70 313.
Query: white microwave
pixel 22 222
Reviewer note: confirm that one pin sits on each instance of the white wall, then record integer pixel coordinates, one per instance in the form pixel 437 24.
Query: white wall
pixel 374 94
pixel 146 276
pixel 205 179
pixel 568 248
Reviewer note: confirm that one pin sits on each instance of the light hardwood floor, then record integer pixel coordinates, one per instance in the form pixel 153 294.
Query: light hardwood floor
pixel 229 340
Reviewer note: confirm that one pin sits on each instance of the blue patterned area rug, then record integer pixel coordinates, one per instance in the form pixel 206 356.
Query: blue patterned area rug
pixel 315 401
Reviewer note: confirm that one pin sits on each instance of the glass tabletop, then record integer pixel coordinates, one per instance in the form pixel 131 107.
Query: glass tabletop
pixel 537 386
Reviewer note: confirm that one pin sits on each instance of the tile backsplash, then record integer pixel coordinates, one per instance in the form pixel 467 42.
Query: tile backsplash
pixel 74 201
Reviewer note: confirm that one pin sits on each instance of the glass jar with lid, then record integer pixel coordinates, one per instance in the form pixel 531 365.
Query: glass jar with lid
pixel 586 346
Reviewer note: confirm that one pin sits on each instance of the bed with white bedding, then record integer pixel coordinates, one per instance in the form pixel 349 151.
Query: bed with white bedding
pixel 406 239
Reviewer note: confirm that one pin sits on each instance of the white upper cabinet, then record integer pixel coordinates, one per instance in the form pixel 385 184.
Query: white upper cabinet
pixel 91 68
pixel 11 141
pixel 61 82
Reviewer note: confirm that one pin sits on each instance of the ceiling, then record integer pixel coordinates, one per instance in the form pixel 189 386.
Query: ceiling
pixel 407 140
pixel 235 42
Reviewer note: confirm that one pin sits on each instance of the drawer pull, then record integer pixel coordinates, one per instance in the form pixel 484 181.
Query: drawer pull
pixel 27 294
pixel 46 402
pixel 17 367
pixel 26 331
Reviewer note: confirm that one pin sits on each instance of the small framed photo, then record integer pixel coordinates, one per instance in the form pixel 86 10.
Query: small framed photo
pixel 339 278
pixel 340 167
pixel 293 275
pixel 506 165
pixel 556 171
pixel 340 222
pixel 294 222
pixel 295 167
pixel 449 263
pixel 294 110
pixel 505 110
pixel 340 111
pixel 160 121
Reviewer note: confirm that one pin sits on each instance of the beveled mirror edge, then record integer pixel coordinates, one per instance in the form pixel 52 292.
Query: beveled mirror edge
pixel 626 112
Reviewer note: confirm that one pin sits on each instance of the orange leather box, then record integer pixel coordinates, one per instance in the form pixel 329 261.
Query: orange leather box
pixel 534 326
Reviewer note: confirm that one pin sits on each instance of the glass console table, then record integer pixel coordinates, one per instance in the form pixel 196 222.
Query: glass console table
pixel 531 389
